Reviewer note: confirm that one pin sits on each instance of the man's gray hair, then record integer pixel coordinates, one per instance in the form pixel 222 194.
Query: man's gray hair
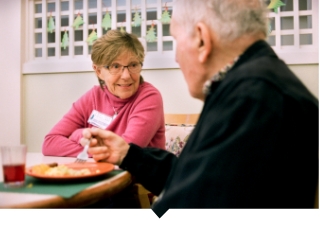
pixel 230 19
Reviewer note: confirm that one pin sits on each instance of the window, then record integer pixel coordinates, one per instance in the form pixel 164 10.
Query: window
pixel 294 31
pixel 47 54
pixel 293 35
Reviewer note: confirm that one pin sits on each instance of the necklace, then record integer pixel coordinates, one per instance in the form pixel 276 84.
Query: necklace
pixel 115 113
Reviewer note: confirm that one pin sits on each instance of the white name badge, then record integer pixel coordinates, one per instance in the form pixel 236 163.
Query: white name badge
pixel 99 120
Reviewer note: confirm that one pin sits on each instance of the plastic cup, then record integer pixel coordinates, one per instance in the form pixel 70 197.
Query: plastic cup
pixel 13 165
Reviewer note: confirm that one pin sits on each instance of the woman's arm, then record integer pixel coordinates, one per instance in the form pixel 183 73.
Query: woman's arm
pixel 63 138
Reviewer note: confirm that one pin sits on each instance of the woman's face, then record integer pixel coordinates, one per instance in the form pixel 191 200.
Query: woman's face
pixel 125 83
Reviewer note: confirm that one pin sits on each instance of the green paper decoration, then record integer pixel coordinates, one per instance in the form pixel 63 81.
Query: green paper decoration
pixel 50 24
pixel 92 37
pixel 137 19
pixel 106 22
pixel 165 17
pixel 122 29
pixel 78 21
pixel 65 40
pixel 151 34
pixel 275 4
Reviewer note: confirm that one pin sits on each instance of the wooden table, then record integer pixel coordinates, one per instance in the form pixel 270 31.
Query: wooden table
pixel 102 190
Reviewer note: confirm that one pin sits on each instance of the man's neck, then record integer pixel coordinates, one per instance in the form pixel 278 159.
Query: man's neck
pixel 225 53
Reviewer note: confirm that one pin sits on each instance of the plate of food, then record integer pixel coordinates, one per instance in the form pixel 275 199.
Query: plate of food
pixel 69 171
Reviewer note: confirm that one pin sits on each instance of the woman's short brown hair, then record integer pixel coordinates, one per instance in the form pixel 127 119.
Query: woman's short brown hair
pixel 109 46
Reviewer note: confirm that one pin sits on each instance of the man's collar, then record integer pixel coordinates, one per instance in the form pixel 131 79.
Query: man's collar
pixel 218 77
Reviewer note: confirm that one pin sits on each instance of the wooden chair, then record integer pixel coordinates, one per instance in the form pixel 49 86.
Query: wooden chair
pixel 144 197
pixel 316 202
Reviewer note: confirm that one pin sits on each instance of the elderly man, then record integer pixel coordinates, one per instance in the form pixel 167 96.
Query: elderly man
pixel 256 142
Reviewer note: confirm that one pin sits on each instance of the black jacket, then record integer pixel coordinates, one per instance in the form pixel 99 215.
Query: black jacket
pixel 255 144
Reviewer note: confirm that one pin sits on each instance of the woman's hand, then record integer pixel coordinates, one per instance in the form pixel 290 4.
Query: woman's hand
pixel 105 145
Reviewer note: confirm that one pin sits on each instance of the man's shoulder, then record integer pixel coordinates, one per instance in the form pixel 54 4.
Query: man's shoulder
pixel 266 77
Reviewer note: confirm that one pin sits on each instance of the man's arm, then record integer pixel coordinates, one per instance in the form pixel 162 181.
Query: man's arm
pixel 150 166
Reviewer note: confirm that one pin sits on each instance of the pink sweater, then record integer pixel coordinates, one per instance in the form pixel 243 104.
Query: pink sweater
pixel 140 120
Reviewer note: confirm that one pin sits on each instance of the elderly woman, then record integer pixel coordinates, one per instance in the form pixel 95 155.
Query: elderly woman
pixel 123 103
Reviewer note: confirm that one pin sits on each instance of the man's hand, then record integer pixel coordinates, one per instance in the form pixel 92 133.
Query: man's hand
pixel 105 145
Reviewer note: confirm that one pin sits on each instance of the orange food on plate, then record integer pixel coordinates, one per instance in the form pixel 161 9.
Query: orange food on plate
pixel 40 169
pixel 59 170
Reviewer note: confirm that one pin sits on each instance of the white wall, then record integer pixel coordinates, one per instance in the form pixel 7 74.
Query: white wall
pixel 174 90
pixel 309 75
pixel 10 72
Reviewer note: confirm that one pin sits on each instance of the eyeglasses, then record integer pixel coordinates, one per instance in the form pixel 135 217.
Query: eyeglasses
pixel 115 68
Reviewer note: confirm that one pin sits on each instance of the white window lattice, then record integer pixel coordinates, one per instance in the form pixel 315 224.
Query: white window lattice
pixel 294 34
pixel 294 31
pixel 45 53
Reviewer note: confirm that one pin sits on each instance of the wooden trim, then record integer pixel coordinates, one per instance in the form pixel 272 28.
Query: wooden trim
pixel 190 119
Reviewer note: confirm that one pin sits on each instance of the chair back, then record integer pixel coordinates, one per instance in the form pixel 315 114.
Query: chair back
pixel 178 130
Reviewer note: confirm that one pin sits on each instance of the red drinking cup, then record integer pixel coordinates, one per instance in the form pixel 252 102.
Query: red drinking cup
pixel 13 160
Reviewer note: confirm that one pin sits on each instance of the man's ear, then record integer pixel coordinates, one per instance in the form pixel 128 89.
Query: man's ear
pixel 204 42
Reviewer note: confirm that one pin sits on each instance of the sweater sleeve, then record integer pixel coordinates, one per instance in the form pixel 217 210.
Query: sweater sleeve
pixel 150 166
pixel 63 138
pixel 145 119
